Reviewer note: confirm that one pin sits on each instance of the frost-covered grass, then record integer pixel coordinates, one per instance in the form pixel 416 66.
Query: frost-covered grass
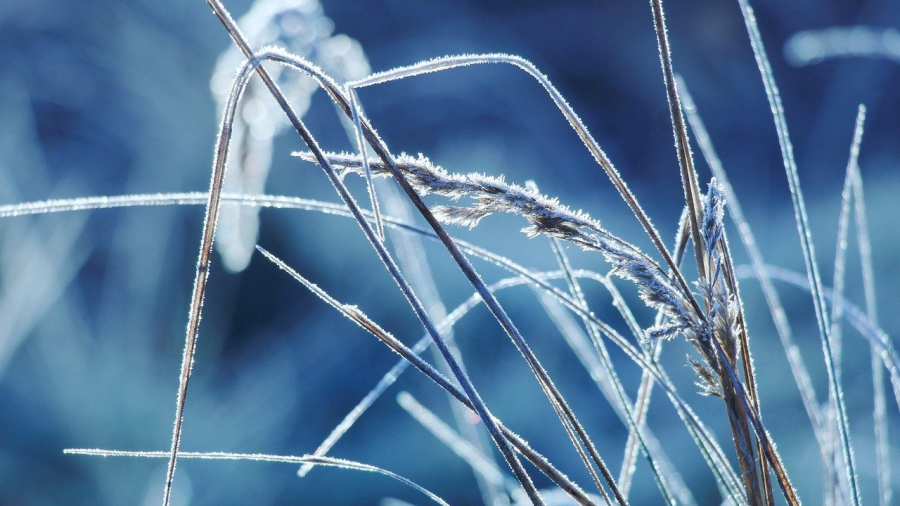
pixel 660 296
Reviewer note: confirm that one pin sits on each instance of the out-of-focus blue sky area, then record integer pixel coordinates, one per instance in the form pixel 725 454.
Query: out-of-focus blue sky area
pixel 112 97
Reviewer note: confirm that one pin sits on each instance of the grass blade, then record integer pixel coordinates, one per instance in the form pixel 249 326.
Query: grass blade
pixel 882 445
pixel 361 146
pixel 262 457
pixel 837 305
pixel 679 130
pixel 201 275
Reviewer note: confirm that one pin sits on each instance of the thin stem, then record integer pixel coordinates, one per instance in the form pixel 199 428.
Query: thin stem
pixel 882 441
pixel 840 268
pixel 361 146
pixel 682 145
pixel 202 270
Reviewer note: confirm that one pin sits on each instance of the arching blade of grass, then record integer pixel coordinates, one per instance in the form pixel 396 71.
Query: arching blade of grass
pixel 336 93
pixel 206 248
pixel 225 17
pixel 815 282
pixel 262 457
pixel 560 406
pixel 202 270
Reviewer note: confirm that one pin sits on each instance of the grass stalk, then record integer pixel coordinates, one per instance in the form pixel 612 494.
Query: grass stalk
pixel 839 488
pixel 758 493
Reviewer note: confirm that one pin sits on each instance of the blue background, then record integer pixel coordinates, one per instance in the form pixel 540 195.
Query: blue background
pixel 112 97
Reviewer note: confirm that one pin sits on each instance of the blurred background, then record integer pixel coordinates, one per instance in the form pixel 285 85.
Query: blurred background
pixel 115 97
